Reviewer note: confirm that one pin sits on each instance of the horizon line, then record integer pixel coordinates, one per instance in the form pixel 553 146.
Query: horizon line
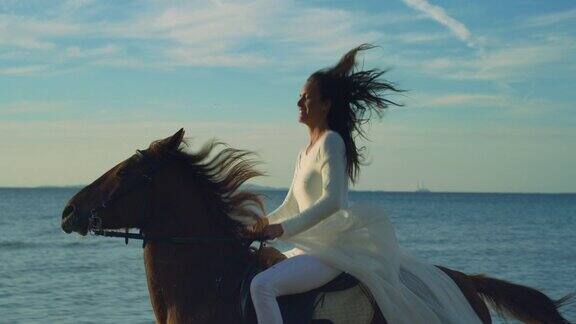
pixel 269 188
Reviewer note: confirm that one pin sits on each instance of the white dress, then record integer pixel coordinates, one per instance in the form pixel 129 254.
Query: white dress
pixel 360 240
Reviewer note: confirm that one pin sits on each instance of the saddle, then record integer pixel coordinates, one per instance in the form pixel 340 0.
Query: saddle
pixel 295 309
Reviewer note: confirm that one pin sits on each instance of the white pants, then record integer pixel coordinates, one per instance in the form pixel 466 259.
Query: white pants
pixel 290 276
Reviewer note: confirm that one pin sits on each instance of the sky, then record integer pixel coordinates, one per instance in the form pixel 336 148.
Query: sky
pixel 489 107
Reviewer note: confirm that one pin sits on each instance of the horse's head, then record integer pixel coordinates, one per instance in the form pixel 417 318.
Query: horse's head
pixel 117 198
pixel 166 181
pixel 122 197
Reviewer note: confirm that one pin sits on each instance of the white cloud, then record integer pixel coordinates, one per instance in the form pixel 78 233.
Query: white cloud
pixel 24 70
pixel 510 104
pixel 514 62
pixel 439 15
pixel 75 5
pixel 27 106
pixel 216 34
pixel 202 33
pixel 550 18
pixel 460 99
pixel 77 52
pixel 191 57
pixel 27 25
pixel 167 35
pixel 418 37
pixel 317 32
pixel 27 32
pixel 25 43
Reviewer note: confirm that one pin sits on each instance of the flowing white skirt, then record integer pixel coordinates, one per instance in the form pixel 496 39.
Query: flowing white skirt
pixel 361 241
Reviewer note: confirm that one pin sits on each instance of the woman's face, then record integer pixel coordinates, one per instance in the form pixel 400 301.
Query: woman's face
pixel 312 111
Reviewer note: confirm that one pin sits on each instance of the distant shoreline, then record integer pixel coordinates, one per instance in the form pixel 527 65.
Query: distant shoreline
pixel 267 188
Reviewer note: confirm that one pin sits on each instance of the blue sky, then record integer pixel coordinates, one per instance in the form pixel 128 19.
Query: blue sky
pixel 490 108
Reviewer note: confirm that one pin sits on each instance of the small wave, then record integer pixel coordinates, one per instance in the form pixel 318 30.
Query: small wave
pixel 78 244
pixel 18 245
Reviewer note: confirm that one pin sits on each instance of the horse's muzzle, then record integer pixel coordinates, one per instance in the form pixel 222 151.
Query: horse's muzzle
pixel 72 222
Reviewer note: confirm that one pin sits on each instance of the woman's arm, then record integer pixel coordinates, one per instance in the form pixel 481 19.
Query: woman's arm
pixel 334 187
pixel 289 207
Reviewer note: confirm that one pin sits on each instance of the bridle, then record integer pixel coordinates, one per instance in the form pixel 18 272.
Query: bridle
pixel 147 179
pixel 223 282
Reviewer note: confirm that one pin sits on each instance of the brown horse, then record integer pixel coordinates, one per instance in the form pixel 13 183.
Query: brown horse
pixel 167 192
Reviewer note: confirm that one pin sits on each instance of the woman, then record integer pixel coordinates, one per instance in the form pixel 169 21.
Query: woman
pixel 331 237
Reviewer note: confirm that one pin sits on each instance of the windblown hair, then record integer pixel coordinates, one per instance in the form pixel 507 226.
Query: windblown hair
pixel 354 96
pixel 219 179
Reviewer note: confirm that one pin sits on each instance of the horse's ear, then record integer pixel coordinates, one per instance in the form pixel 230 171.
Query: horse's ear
pixel 174 141
pixel 170 143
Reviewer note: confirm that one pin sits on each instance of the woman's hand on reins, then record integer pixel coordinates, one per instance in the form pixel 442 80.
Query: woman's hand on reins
pixel 255 229
pixel 273 231
pixel 259 226
pixel 262 228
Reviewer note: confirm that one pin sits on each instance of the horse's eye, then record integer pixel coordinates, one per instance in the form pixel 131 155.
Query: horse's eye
pixel 122 173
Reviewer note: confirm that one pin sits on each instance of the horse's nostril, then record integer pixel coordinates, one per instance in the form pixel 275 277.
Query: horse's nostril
pixel 68 211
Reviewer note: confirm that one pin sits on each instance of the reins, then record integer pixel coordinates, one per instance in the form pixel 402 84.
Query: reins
pixel 175 239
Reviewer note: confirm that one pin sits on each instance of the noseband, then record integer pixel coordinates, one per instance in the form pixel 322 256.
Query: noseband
pixel 146 179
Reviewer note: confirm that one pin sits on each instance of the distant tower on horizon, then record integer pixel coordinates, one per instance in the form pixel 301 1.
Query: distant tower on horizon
pixel 421 188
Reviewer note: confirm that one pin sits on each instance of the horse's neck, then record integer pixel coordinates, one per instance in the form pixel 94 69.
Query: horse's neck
pixel 182 277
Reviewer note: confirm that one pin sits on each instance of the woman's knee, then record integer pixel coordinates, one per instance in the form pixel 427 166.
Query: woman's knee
pixel 262 284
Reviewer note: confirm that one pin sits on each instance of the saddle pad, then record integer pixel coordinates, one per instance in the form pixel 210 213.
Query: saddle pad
pixel 349 306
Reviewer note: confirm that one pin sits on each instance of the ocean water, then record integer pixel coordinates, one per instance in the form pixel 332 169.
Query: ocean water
pixel 47 276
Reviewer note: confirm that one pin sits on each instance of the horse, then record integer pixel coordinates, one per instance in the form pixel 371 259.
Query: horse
pixel 168 193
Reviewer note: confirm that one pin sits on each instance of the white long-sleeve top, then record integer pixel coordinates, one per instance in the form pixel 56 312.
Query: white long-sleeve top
pixel 360 240
pixel 319 186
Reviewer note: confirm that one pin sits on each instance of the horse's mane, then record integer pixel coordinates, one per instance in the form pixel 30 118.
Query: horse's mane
pixel 219 178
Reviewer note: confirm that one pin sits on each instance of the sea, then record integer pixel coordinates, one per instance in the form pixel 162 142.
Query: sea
pixel 47 276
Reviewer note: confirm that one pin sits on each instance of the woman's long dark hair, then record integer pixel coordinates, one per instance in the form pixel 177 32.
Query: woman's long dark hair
pixel 354 96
